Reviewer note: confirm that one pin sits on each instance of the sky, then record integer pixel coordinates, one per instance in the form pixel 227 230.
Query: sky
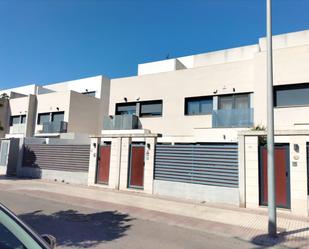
pixel 49 41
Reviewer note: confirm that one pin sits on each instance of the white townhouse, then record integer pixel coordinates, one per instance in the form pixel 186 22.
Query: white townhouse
pixel 68 109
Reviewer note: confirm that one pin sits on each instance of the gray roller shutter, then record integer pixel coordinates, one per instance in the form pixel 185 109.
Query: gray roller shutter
pixel 209 164
pixel 74 158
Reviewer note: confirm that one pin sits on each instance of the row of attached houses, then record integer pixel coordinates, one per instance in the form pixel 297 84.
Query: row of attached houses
pixel 190 127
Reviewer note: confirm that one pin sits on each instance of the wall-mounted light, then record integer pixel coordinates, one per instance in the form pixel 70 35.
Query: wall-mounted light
pixel 233 89
pixel 296 148
pixel 148 146
pixel 94 145
pixel 215 91
pixel 137 99
pixel 125 99
pixel 57 108
pixel 86 90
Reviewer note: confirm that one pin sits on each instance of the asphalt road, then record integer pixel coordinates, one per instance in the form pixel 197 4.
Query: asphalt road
pixel 80 227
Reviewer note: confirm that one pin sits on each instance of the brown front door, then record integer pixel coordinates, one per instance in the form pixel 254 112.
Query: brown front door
pixel 136 169
pixel 103 164
pixel 282 176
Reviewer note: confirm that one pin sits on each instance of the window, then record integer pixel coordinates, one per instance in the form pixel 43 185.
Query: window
pixel 235 101
pixel 92 93
pixel 23 119
pixel 291 95
pixel 125 108
pixel 151 108
pixel 17 119
pixel 198 105
pixel 43 118
pixel 57 117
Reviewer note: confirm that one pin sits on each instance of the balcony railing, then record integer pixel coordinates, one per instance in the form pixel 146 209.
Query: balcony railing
pixel 55 127
pixel 18 129
pixel 225 118
pixel 120 122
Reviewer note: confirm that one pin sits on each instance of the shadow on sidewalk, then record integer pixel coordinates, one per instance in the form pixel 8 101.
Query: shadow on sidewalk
pixel 265 241
pixel 74 229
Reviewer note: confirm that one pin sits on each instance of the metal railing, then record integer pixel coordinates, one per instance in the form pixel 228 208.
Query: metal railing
pixel 18 129
pixel 120 122
pixel 55 127
pixel 225 118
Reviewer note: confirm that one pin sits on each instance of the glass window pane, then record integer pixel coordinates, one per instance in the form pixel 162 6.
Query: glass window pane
pixel 226 102
pixel 8 240
pixel 153 108
pixel 193 107
pixel 15 120
pixel 296 95
pixel 23 119
pixel 206 106
pixel 125 109
pixel 43 118
pixel 57 117
pixel 242 101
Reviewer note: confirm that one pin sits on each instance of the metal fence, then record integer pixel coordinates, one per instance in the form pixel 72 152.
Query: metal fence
pixel 73 158
pixel 209 164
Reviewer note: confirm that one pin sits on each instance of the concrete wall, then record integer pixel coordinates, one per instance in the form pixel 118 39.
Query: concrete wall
pixel 81 85
pixel 84 114
pixel 196 192
pixel 28 89
pixel 53 175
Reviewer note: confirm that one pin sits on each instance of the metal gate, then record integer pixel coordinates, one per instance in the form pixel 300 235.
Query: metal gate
pixel 104 163
pixel 136 166
pixel 73 158
pixel 282 166
pixel 213 164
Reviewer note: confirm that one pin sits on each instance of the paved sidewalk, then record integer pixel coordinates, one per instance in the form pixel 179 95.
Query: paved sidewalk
pixel 230 221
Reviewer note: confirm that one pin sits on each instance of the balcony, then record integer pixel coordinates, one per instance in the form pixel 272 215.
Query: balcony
pixel 55 127
pixel 232 118
pixel 18 129
pixel 121 122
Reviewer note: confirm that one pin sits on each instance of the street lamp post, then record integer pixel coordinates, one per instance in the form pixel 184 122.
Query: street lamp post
pixel 272 218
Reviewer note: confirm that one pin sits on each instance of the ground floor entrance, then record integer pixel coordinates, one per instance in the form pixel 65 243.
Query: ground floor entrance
pixel 282 163
pixel 104 163
pixel 136 166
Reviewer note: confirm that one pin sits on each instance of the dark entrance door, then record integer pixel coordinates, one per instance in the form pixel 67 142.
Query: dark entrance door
pixel 103 164
pixel 136 167
pixel 282 176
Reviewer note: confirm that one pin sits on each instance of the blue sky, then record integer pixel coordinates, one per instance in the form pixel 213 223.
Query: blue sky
pixel 46 41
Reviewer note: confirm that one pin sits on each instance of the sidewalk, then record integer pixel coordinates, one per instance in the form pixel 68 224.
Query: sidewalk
pixel 245 224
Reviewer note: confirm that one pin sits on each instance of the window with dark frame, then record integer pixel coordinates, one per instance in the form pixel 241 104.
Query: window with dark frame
pixel 151 108
pixel 234 101
pixel 291 95
pixel 50 117
pixel 92 93
pixel 17 119
pixel 126 108
pixel 199 105
pixel 43 118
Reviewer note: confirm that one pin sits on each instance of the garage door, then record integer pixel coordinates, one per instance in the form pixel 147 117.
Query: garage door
pixel 213 164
